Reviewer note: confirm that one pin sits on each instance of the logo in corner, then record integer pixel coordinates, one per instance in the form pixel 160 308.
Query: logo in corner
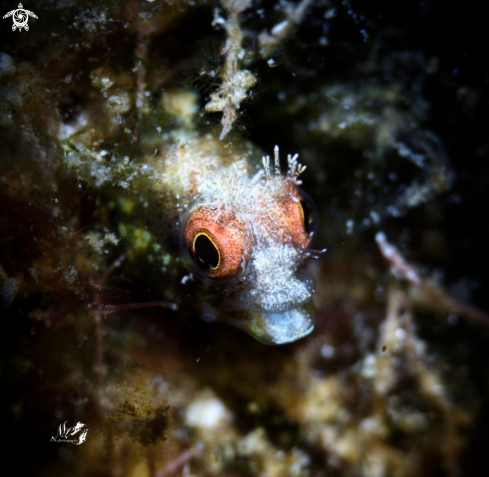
pixel 20 18
pixel 75 435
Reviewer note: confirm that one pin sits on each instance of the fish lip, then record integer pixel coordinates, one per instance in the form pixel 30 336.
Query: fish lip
pixel 276 328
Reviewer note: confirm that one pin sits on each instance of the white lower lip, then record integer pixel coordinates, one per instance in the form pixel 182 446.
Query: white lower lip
pixel 281 327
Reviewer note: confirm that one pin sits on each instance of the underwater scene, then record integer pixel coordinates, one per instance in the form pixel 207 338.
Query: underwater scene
pixel 244 238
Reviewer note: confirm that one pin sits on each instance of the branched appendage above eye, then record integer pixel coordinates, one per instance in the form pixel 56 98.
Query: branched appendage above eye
pixel 294 168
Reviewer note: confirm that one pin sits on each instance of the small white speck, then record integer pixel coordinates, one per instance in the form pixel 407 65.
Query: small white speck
pixel 185 279
pixel 400 334
pixel 327 351
pixel 375 217
pixel 369 368
pixel 206 413
pixel 279 28
pixel 280 455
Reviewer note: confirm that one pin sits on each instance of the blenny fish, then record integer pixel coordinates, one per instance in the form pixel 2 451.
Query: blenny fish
pixel 233 232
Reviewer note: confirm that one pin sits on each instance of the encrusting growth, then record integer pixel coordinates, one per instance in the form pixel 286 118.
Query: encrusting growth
pixel 280 32
pixel 235 82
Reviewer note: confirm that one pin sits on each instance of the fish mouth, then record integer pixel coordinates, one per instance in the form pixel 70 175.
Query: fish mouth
pixel 275 328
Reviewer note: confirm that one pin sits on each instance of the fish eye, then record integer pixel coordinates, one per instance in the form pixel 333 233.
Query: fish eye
pixel 309 213
pixel 205 252
pixel 216 242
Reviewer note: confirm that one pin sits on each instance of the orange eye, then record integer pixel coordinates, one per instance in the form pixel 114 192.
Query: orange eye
pixel 216 242
pixel 295 217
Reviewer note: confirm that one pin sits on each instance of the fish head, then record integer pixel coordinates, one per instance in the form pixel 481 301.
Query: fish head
pixel 249 251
